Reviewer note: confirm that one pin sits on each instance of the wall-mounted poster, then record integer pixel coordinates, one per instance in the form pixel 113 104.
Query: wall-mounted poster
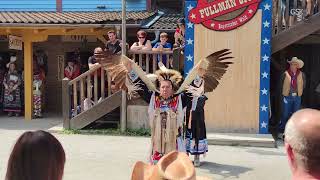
pixel 15 42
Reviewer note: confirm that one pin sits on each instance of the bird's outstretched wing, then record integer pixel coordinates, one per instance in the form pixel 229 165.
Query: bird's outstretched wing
pixel 116 66
pixel 212 68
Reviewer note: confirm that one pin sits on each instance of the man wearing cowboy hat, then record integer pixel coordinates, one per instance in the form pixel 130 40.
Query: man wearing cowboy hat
pixel 293 83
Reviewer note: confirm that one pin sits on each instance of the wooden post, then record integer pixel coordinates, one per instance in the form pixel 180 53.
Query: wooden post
pixel 140 60
pixel 123 111
pixel 66 103
pixel 103 88
pixel 154 63
pixel 82 94
pixel 75 98
pixel 95 86
pixel 89 89
pixel 28 78
pixel 109 84
pixel 176 59
pixel 147 63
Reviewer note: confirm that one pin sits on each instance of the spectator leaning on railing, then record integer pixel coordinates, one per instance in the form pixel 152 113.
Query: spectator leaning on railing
pixel 143 43
pixel 163 45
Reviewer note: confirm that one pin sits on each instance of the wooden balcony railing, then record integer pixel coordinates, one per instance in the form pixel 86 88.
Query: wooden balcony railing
pixel 148 60
pixel 287 13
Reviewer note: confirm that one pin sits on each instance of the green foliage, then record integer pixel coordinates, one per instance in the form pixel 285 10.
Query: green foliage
pixel 111 132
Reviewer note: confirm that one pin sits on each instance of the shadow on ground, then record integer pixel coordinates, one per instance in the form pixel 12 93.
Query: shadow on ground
pixel 224 170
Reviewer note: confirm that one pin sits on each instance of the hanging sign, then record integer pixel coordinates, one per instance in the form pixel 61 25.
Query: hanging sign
pixel 223 15
pixel 15 42
pixel 79 38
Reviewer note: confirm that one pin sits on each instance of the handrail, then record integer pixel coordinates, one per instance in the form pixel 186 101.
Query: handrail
pixel 85 74
pixel 150 52
pixel 147 59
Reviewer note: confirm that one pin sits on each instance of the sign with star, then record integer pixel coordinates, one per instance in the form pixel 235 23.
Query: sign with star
pixel 226 15
pixel 223 15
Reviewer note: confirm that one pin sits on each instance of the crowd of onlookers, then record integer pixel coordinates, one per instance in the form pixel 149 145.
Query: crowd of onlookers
pixel 143 43
pixel 75 66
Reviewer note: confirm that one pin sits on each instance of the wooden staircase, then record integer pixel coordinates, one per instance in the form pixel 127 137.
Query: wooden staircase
pixel 283 35
pixel 77 90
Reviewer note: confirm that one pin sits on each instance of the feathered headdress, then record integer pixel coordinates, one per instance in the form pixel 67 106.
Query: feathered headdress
pixel 164 74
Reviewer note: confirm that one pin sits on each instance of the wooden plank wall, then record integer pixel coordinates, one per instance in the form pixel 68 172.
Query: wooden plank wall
pixel 234 105
pixel 71 5
pixel 28 5
pixel 110 5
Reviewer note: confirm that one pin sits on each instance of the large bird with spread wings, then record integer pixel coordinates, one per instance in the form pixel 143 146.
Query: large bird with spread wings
pixel 211 69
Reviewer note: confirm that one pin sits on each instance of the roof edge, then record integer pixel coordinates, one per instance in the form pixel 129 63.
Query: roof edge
pixel 152 21
pixel 65 25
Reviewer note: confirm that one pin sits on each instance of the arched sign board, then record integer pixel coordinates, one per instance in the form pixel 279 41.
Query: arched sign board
pixel 223 15
pixel 222 18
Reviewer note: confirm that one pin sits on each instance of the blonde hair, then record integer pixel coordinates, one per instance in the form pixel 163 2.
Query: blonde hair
pixel 163 34
pixel 111 31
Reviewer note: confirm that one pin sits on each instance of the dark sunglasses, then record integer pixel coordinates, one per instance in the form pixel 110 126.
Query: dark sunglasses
pixel 141 37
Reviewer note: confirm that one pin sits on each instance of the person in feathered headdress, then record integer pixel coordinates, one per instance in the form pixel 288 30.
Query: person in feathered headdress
pixel 166 94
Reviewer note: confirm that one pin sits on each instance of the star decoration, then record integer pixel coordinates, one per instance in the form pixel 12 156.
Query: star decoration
pixel 266 41
pixel 267 7
pixel 263 108
pixel 250 11
pixel 264 75
pixel 265 58
pixel 266 24
pixel 264 91
pixel 264 124
pixel 189 7
pixel 193 16
pixel 189 58
pixel 189 25
pixel 189 41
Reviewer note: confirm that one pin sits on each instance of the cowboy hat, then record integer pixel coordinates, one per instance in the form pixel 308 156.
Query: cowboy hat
pixel 297 61
pixel 173 166
pixel 12 60
pixel 142 171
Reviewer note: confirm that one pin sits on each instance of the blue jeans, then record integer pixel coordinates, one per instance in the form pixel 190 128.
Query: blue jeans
pixel 291 104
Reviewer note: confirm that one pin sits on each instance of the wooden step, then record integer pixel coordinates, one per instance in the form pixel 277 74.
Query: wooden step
pixel 97 111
